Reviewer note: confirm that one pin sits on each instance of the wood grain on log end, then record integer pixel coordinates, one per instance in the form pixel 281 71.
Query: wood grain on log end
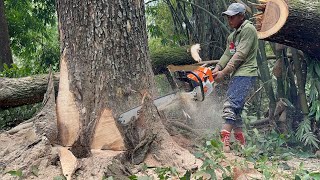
pixel 107 136
pixel 67 111
pixel 274 17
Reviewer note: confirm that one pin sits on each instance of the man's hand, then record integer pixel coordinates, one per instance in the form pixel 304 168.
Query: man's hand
pixel 218 76
pixel 216 69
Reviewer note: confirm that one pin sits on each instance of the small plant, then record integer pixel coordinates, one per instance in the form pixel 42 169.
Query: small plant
pixel 302 174
pixel 17 173
pixel 212 156
pixel 305 134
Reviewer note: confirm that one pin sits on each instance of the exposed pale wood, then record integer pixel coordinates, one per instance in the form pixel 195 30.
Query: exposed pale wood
pixel 260 7
pixel 297 25
pixel 195 52
pixel 208 62
pixel 68 162
pixel 107 136
pixel 263 1
pixel 269 21
pixel 191 67
pixel 275 16
pixel 67 111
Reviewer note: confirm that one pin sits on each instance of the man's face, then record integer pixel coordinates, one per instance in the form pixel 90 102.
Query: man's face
pixel 235 21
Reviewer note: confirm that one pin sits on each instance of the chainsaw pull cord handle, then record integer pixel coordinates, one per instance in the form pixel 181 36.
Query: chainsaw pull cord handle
pixel 200 82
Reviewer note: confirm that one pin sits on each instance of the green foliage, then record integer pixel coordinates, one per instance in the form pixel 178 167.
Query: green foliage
pixel 302 174
pixel 163 173
pixel 14 71
pixel 269 144
pixel 16 173
pixel 33 33
pixel 160 25
pixel 305 134
pixel 314 94
pixel 11 117
pixel 212 155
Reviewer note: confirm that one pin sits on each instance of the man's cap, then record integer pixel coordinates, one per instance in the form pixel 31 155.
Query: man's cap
pixel 234 9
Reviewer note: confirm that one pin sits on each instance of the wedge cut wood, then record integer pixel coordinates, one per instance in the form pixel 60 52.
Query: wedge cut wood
pixel 293 23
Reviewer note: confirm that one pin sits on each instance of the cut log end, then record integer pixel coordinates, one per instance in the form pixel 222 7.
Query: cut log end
pixel 273 19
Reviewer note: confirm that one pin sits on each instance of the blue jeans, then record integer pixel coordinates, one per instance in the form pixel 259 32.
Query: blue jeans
pixel 239 88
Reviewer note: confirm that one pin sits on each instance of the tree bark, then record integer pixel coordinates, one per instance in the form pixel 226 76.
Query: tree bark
pixel 106 71
pixel 293 23
pixel 300 82
pixel 22 91
pixel 5 51
pixel 266 78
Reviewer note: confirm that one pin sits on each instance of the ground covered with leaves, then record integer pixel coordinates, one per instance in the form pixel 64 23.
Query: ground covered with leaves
pixel 267 155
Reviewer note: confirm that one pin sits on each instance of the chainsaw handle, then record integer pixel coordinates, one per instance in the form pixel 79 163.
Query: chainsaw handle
pixel 200 82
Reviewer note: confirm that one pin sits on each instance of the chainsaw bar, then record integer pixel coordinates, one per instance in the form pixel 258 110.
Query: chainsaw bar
pixel 160 103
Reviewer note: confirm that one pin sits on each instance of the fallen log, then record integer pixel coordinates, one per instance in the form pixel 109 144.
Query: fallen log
pixel 29 90
pixel 26 90
pixel 293 23
pixel 165 56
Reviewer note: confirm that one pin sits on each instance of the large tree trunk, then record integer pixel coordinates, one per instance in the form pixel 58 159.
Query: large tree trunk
pixel 105 71
pixel 5 51
pixel 293 23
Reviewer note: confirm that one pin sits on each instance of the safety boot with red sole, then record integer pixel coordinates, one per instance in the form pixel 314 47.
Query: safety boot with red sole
pixel 240 137
pixel 225 138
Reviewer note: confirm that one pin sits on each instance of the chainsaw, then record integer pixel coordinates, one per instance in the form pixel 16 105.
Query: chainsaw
pixel 193 81
pixel 197 83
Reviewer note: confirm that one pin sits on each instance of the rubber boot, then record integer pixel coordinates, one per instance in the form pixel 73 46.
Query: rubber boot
pixel 225 138
pixel 240 137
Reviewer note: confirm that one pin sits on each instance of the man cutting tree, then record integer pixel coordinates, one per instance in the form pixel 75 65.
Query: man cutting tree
pixel 239 61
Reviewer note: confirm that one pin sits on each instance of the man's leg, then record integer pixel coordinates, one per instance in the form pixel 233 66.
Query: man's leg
pixel 225 136
pixel 237 92
pixel 229 117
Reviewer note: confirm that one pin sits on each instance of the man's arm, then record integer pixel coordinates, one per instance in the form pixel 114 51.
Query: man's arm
pixel 246 41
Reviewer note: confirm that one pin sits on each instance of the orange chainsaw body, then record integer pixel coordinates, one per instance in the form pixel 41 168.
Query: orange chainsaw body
pixel 198 82
pixel 205 74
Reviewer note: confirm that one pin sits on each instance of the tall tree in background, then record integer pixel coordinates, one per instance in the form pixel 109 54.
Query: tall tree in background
pixel 5 51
